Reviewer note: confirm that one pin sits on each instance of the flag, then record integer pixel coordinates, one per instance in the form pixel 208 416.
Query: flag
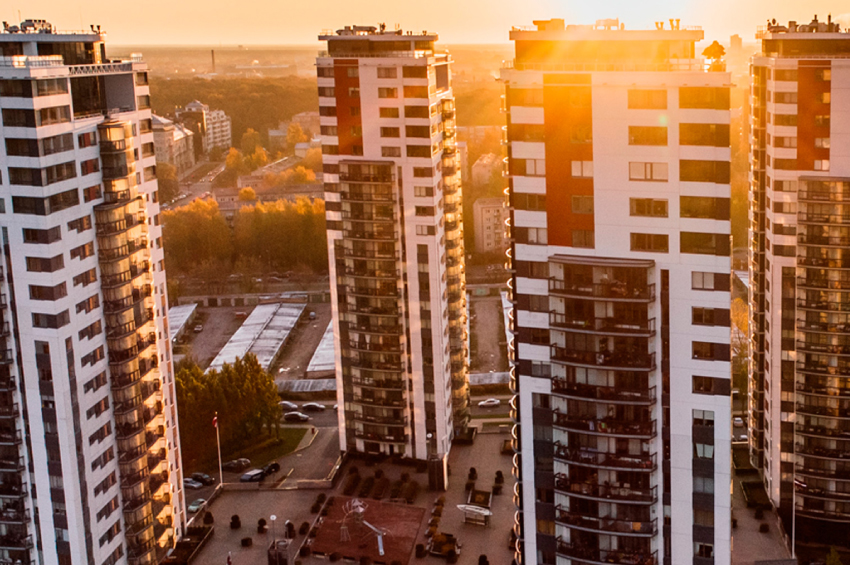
pixel 215 421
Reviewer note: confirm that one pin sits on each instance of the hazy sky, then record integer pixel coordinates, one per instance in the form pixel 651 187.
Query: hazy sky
pixel 231 22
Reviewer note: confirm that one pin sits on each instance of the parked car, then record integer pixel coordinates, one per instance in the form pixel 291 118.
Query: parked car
pixel 489 403
pixel 296 417
pixel 313 407
pixel 237 465
pixel 272 467
pixel 192 484
pixel 738 422
pixel 203 478
pixel 199 328
pixel 196 505
pixel 252 476
pixel 288 406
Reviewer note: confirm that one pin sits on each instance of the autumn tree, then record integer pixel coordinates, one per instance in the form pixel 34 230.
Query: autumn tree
pixel 714 52
pixel 195 233
pixel 166 176
pixel 313 159
pixel 294 135
pixel 833 558
pixel 247 194
pixel 250 142
pixel 289 177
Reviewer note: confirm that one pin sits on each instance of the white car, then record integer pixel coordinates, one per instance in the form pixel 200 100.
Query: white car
pixel 192 484
pixel 288 406
pixel 295 417
pixel 313 407
pixel 738 422
pixel 489 403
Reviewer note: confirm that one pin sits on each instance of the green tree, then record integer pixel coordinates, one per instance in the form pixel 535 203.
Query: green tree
pixel 834 558
pixel 295 134
pixel 250 142
pixel 166 176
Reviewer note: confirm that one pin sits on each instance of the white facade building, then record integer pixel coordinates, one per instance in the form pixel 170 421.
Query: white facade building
pixel 213 128
pixel 88 421
pixel 395 237
pixel 619 191
pixel 798 219
pixel 174 144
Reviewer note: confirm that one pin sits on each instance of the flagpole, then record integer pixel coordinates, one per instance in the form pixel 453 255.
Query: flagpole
pixel 218 443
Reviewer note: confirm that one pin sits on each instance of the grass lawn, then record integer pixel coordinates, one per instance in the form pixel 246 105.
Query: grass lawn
pixel 269 449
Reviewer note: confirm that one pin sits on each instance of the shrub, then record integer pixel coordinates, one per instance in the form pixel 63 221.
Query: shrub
pixel 410 491
pixel 261 522
pixel 351 484
pixel 208 519
pixel 321 498
pixel 764 527
pixel 441 501
pixel 305 527
pixel 324 511
pixel 304 551
pixel 395 490
pixel 438 511
pixel 247 542
pixel 379 474
pixel 380 488
pixel 500 478
pixel 335 556
pixel 330 501
pixel 235 522
pixel 473 474
pixel 366 487
pixel 405 477
pixel 315 508
pixel 314 532
pixel 451 556
pixel 420 550
pixel 470 485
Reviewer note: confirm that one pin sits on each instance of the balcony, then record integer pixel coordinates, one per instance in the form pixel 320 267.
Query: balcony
pixel 362 196
pixel 374 217
pixel 823 284
pixel 381 384
pixel 823 411
pixel 604 326
pixel 823 390
pixel 10 437
pixel 378 401
pixel 615 291
pixel 823 262
pixel 607 394
pixel 822 348
pixel 610 461
pixel 821 241
pixel 370 235
pixel 368 254
pixel 804 194
pixel 822 368
pixel 400 421
pixel 606 426
pixel 122 381
pixel 9 411
pixel 823 305
pixel 841 475
pixel 397 348
pixel 616 361
pixel 12 463
pixel 347 308
pixel 819 514
pixel 387 292
pixel 821 452
pixel 580 555
pixel 13 490
pixel 363 272
pixel 606 525
pixel 14 514
pixel 606 492
pixel 12 541
pixel 386 177
pixel 371 329
pixel 818 219
pixel 400 438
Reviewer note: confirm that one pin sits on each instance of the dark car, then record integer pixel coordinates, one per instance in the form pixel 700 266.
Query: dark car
pixel 203 478
pixel 273 467
pixel 237 465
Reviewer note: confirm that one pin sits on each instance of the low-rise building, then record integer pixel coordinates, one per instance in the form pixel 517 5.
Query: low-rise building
pixel 173 144
pixel 213 127
pixel 488 220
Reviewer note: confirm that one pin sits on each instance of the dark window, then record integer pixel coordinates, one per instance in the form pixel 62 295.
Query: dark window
pixel 652 207
pixel 390 132
pixel 87 139
pixel 86 278
pixel 419 151
pixel 711 351
pixel 417 131
pixel 38 292
pixel 42 236
pixel 51 321
pixel 711 385
pixel 45 264
pixel 327 111
pixel 415 91
pixel 650 242
pixel 80 224
pixel 710 316
pixel 704 171
pixel 423 172
pixel 420 71
pixel 45 206
pixel 533 202
pixel 704 207
pixel 714 135
pixel 583 238
pixel 647 135
pixel 711 281
pixel 705 243
pixel 43 177
pixel 389 112
pixel 414 112
pixel 647 99
pixel 89 166
pixel 704 97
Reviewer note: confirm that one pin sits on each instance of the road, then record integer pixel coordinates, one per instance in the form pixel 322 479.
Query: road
pixel 191 189
pixel 302 343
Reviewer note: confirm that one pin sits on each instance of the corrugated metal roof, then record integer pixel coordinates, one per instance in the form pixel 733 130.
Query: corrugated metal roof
pixel 178 316
pixel 323 357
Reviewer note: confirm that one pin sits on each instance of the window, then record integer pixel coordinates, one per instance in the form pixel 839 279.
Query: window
pixel 51 321
pixel 423 172
pixel 785 119
pixel 707 351
pixel 703 451
pixel 423 191
pixel 704 207
pixel 647 99
pixel 714 135
pixel 785 97
pixel 650 207
pixel 43 177
pixel 710 281
pixel 650 242
pixel 581 135
pixel 704 171
pixel 705 98
pixel 525 96
pixel 823 74
pixel 415 91
pixel 390 132
pixel 86 278
pixel 822 120
pixel 387 72
pixel 42 236
pixel 91 193
pixel 582 204
pixel 91 330
pixel 822 142
pixel 426 230
pixel 425 210
pixel 96 383
pixel 328 111
pixel 705 243
pixel 44 264
pixel 583 169
pixel 33 88
pixel 144 102
pixel 529 167
pixel 711 385
pixel 327 91
pixel 537 236
pixel 703 517
pixel 824 97
pixel 419 151
pixel 102 459
pixel 704 485
pixel 648 171
pixel 80 224
pixel 353 92
pixel 789 142
pixel 388 112
pixel 390 151
pixel 325 72
pixel 99 408
pixel 538 303
pixel 583 238
pixel 387 93
pixel 416 112
pixel 328 130
pixel 88 304
pixel 356 131
pixel 330 149
pixel 41 147
pixel 533 202
pixel 417 131
pixel 821 164
pixel 647 135
pixel 93 357
pixel 48 292
pixel 710 316
pixel 83 251
pixel 420 71
pixel 703 418
pixel 789 75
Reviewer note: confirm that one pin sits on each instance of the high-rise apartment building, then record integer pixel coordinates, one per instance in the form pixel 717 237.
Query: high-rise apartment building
pixel 619 169
pixel 799 379
pixel 89 449
pixel 395 238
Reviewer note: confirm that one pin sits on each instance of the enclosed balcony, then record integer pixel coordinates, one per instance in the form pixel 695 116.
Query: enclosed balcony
pixel 581 554
pixel 643 462
pixel 616 360
pixel 606 524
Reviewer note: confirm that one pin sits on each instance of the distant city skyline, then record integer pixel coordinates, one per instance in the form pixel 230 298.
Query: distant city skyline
pixel 265 22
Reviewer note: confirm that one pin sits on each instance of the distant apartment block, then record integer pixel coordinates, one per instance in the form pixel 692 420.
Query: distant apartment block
pixel 488 219
pixel 212 127
pixel 395 236
pixel 799 277
pixel 619 174
pixel 484 169
pixel 173 144
pixel 90 468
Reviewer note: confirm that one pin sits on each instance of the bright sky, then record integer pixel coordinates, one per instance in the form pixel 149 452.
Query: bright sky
pixel 282 22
